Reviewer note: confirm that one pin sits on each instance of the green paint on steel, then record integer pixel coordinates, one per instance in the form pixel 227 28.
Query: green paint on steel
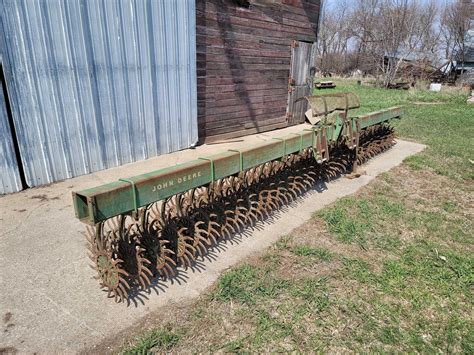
pixel 379 116
pixel 105 201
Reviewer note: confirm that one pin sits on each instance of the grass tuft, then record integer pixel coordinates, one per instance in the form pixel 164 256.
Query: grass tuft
pixel 160 340
pixel 342 224
pixel 320 254
pixel 246 284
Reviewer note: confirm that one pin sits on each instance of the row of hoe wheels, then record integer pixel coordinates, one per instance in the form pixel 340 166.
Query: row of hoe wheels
pixel 132 251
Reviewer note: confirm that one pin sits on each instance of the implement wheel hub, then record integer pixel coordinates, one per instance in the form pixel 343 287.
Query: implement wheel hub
pixel 108 271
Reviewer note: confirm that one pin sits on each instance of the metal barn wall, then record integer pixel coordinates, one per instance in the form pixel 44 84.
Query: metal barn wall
pixel 9 176
pixel 99 83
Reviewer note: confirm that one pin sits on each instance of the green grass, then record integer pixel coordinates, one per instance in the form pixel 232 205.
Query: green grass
pixel 447 128
pixel 313 253
pixel 247 284
pixel 160 340
pixel 390 269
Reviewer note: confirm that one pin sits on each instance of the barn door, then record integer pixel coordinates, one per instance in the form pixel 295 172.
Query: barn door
pixel 300 82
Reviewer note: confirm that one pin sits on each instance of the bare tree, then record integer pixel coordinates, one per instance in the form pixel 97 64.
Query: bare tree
pixel 379 36
pixel 364 28
pixel 333 38
pixel 455 22
pixel 406 33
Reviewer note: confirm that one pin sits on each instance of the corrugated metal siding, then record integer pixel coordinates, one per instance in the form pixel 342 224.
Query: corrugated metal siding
pixel 96 84
pixel 9 175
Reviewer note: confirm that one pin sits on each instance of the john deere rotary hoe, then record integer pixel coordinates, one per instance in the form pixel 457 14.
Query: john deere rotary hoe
pixel 144 227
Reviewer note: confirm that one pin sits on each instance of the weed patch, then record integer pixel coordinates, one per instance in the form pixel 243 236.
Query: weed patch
pixel 318 254
pixel 160 340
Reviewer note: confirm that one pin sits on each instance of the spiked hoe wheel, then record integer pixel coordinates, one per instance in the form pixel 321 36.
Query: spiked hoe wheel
pixel 104 254
pixel 160 234
pixel 130 250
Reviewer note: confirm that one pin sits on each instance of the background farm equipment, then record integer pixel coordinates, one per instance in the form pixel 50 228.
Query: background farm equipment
pixel 325 85
pixel 144 227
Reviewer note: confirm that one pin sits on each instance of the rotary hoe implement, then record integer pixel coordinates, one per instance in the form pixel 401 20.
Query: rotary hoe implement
pixel 146 227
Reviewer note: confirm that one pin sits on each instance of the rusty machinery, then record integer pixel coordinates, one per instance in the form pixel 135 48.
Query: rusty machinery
pixel 143 227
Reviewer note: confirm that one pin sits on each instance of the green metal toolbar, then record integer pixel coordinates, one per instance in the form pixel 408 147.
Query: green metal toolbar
pixel 125 195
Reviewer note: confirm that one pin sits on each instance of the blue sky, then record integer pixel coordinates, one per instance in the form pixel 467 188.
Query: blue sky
pixel 333 2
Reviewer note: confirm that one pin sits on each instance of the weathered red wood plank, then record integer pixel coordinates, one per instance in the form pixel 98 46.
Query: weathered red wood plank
pixel 247 114
pixel 212 97
pixel 243 59
pixel 237 131
pixel 209 103
pixel 243 105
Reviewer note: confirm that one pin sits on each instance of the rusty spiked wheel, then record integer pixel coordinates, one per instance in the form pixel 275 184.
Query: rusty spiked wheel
pixel 133 252
pixel 172 228
pixel 104 253
pixel 156 241
pixel 179 220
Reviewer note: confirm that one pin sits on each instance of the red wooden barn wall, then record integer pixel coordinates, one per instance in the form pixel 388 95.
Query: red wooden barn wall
pixel 243 62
